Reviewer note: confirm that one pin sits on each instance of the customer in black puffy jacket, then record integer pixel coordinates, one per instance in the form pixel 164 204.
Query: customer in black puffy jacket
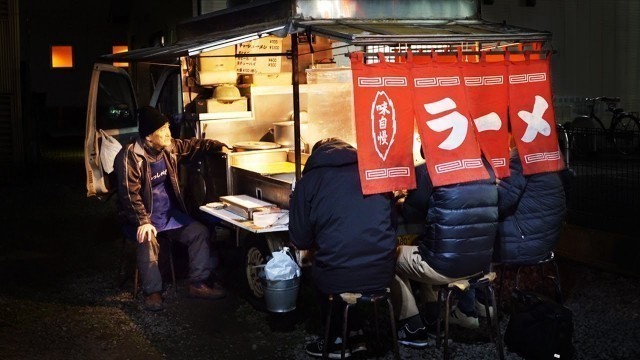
pixel 461 221
pixel 532 211
pixel 353 235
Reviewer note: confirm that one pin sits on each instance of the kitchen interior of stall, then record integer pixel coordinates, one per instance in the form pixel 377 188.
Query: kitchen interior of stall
pixel 238 99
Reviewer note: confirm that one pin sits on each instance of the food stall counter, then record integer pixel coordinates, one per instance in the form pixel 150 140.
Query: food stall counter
pixel 239 221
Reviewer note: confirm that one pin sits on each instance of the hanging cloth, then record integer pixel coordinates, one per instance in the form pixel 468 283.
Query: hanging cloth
pixel 449 142
pixel 488 100
pixel 384 125
pixel 531 116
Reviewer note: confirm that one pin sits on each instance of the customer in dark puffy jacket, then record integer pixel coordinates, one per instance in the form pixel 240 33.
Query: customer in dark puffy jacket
pixel 460 229
pixel 532 211
pixel 352 234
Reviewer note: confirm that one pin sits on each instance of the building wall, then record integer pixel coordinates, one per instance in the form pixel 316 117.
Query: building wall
pixel 596 44
pixel 58 97
pixel 153 23
pixel 10 91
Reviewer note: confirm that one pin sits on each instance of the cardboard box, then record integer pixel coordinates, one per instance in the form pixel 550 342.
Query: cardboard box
pixel 218 60
pixel 283 78
pixel 215 106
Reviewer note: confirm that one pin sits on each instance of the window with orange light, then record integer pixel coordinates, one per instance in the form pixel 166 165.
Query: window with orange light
pixel 62 56
pixel 118 49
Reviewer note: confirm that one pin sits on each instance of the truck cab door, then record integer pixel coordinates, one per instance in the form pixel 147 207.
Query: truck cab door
pixel 111 112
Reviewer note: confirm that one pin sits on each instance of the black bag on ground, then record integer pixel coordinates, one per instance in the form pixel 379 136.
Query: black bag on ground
pixel 539 328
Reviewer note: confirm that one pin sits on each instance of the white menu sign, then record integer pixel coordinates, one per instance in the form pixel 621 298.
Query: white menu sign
pixel 259 64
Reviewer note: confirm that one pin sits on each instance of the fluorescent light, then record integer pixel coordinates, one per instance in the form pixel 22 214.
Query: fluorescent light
pixel 214 45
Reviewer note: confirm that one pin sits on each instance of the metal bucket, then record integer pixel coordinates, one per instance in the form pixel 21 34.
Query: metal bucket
pixel 281 295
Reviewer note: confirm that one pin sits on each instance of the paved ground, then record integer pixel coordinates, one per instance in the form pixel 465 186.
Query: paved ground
pixel 58 258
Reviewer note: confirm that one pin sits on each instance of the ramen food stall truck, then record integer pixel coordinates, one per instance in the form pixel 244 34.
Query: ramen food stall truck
pixel 270 78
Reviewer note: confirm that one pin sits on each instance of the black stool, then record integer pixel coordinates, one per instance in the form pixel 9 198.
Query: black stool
pixel 478 281
pixel 352 299
pixel 555 278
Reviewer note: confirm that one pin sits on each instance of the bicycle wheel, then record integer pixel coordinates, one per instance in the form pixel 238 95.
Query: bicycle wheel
pixel 582 138
pixel 626 135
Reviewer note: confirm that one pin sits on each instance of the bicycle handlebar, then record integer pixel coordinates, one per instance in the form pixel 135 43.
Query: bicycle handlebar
pixel 605 99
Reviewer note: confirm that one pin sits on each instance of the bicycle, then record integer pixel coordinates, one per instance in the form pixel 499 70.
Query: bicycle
pixel 623 131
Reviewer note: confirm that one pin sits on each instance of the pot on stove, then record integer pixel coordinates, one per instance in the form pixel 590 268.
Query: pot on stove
pixel 254 145
pixel 283 133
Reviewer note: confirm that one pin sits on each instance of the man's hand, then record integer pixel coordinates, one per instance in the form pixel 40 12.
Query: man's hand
pixel 145 232
pixel 399 194
pixel 225 149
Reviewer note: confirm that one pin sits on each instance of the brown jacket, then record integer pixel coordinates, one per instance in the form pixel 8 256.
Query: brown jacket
pixel 134 175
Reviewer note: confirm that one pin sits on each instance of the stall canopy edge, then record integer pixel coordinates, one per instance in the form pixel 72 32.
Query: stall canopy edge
pixel 357 23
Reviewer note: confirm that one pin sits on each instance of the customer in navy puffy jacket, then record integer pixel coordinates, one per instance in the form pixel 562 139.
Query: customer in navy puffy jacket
pixel 460 229
pixel 353 235
pixel 532 211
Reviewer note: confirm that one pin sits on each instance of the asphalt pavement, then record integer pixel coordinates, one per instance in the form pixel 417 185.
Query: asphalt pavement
pixel 59 300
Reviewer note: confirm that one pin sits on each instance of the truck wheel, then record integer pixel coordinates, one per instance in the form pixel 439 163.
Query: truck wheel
pixel 255 253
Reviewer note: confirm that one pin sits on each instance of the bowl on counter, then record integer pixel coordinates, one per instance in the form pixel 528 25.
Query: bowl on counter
pixel 267 218
pixel 264 218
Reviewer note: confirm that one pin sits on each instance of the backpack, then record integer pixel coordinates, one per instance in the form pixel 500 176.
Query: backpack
pixel 539 328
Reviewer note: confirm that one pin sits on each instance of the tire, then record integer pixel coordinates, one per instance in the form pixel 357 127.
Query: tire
pixel 254 253
pixel 582 138
pixel 626 135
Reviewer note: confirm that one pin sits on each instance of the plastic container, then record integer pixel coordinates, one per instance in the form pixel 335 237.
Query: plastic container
pixel 281 295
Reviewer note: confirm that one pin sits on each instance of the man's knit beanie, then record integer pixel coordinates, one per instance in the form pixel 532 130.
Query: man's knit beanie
pixel 150 120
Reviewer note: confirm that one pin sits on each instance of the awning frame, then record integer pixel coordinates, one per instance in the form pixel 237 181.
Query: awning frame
pixel 277 17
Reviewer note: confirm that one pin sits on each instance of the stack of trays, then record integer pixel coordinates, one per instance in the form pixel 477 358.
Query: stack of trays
pixel 244 205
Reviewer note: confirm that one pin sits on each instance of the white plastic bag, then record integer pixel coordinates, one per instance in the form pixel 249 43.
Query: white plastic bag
pixel 108 151
pixel 281 266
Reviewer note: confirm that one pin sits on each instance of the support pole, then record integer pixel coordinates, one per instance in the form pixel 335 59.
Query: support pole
pixel 296 104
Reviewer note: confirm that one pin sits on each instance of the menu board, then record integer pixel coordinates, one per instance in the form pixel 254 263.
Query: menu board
pixel 259 64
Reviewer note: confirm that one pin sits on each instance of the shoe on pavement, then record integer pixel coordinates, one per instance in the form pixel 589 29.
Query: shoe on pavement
pixel 419 338
pixel 357 341
pixel 459 318
pixel 334 351
pixel 153 302
pixel 202 291
pixel 480 309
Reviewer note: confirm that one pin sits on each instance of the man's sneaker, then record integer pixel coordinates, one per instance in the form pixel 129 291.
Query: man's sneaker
pixel 457 317
pixel 419 338
pixel 334 351
pixel 204 292
pixel 480 309
pixel 357 342
pixel 153 302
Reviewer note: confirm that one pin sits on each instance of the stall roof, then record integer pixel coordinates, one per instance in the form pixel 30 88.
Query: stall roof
pixel 277 17
pixel 394 32
pixel 196 45
pixel 355 32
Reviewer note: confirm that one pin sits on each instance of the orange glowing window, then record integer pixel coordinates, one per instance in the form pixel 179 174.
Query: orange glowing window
pixel 62 56
pixel 118 49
